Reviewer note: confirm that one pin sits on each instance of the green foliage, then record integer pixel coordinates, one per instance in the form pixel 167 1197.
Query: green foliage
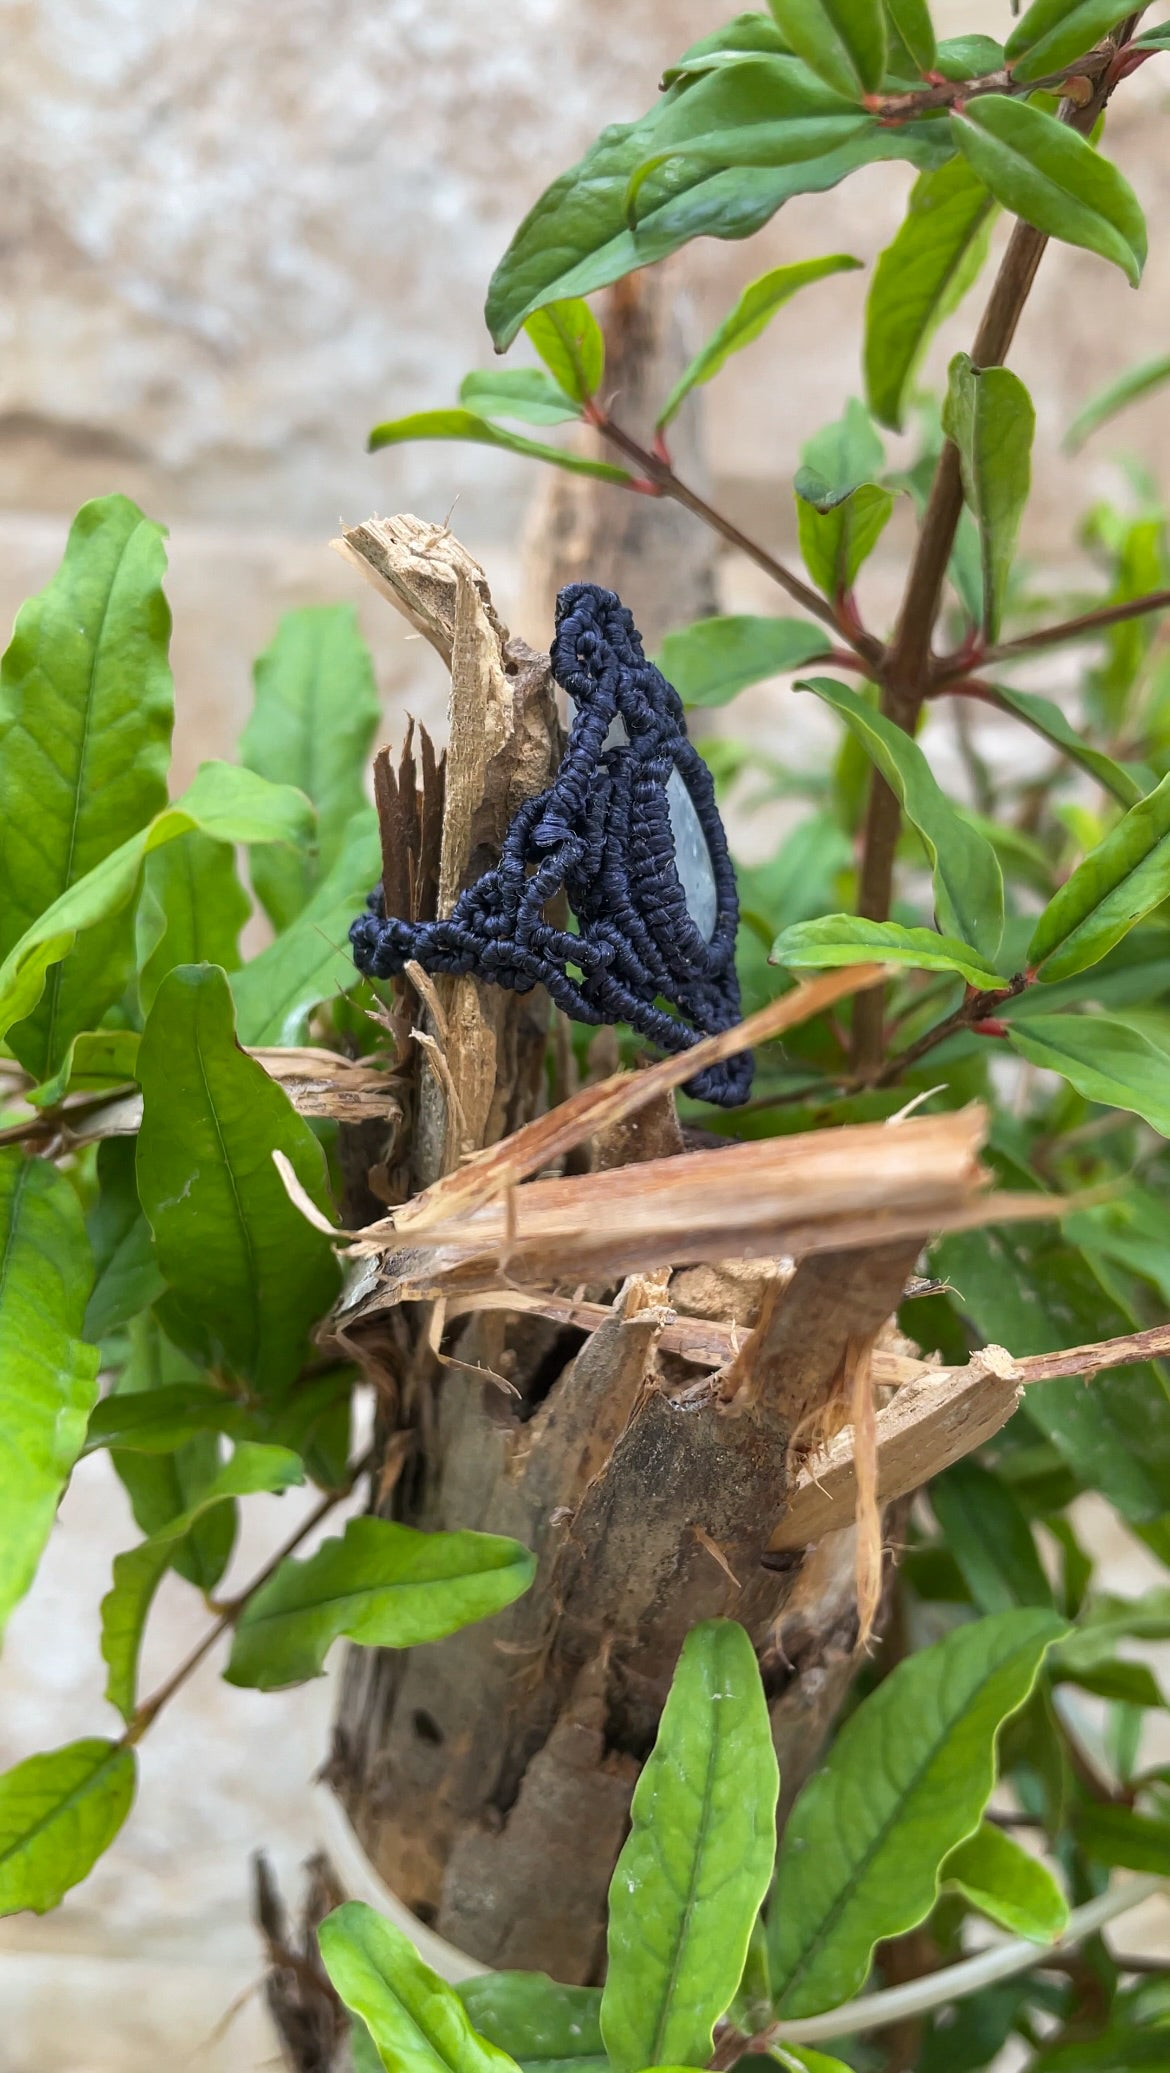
pixel 906 1781
pixel 538 2022
pixel 711 660
pixel 310 962
pixel 312 726
pixel 48 1377
pixel 58 1812
pixel 843 40
pixel 382 1585
pixel 246 1275
pixel 751 316
pixel 571 343
pixel 698 1859
pixel 481 431
pixel 989 416
pixel 920 278
pixel 1003 1880
pixel 1045 173
pixel 846 939
pixel 417 2022
pixel 1053 32
pixel 1120 881
pixel 1116 396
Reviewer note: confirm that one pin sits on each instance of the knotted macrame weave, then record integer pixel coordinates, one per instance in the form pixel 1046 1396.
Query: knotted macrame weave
pixel 604 834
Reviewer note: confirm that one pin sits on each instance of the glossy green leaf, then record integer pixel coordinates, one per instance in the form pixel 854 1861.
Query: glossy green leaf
pixel 1103 1059
pixel 1115 886
pixel 1046 718
pixel 712 660
pixel 985 1530
pixel 905 1781
pixel 745 35
pixel 418 2023
pixel 1054 33
pixel 312 725
pixel 85 731
pixel 988 414
pixel 920 278
pixel 545 2027
pixel 381 1585
pixel 58 1812
pixel 1136 382
pixel 1049 175
pixel 126 1274
pixel 838 533
pixel 464 424
pixel 1119 1836
pixel 48 1376
pixel 696 1865
pixel 968 882
pixel 577 237
pixel 140 1570
pixel 845 453
pixel 162 1487
pixel 247 1276
pixel 571 343
pixel 311 961
pixel 1004 1881
pixel 526 393
pixel 910 20
pixel 1028 1290
pixel 969 57
pixel 93 1060
pixel 158 1421
pixel 229 804
pixel 847 939
pixel 190 911
pixel 844 41
pixel 751 316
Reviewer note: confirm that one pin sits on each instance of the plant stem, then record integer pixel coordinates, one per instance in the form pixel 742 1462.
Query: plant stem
pixel 950 93
pixel 908 671
pixel 1079 629
pixel 955 1982
pixel 668 484
pixel 147 1712
pixel 976 1008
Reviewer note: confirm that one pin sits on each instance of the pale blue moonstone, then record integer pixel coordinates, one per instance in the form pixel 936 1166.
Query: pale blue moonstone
pixel 692 857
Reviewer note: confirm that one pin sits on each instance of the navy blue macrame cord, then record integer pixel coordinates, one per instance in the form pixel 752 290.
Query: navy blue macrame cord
pixel 601 832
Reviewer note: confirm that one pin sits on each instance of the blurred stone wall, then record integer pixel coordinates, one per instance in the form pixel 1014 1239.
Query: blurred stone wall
pixel 234 236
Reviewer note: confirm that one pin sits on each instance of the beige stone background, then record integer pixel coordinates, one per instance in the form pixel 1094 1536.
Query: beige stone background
pixel 234 236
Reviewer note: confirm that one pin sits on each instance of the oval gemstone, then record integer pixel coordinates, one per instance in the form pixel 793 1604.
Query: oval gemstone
pixel 692 858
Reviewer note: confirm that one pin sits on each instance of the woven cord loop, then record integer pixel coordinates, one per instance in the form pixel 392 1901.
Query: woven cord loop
pixel 603 833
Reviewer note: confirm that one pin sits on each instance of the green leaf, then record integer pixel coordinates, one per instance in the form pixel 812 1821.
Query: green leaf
pixel 844 41
pixel 1116 396
pixel 911 21
pixel 139 1572
pixel 847 939
pixel 126 1275
pixel 1157 38
pixel 48 1377
pixel 158 1421
pixel 905 1781
pixel 162 1487
pixel 801 2058
pixel 845 453
pixel 1031 1292
pixel 1004 1881
pixel 1050 176
pixel 58 1812
pixel 1123 1683
pixel 571 343
pixel 190 911
pixel 1115 886
pixel 1118 1836
pixel 312 724
pixel 1045 718
pixel 247 1275
pixel 381 1585
pixel 986 1531
pixel 1103 1059
pixel 969 57
pixel 696 1865
pixel 838 533
pixel 464 424
pixel 751 316
pixel 988 413
pixel 526 393
pixel 94 1060
pixel 230 804
pixel 577 237
pixel 417 2021
pixel 311 962
pixel 743 36
pixel 920 278
pixel 711 660
pixel 1053 33
pixel 85 730
pixel 541 2024
pixel 968 882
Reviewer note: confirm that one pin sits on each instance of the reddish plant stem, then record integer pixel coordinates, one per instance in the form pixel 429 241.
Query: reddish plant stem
pixel 1079 629
pixel 977 1011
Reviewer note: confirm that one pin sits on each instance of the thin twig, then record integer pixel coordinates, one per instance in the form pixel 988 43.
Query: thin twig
pixel 146 1713
pixel 1079 629
pixel 977 1008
